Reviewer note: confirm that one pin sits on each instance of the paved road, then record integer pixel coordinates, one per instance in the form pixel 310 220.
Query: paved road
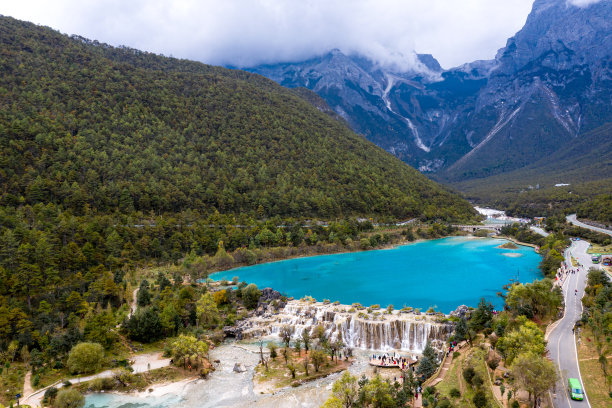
pixel 561 341
pixel 572 220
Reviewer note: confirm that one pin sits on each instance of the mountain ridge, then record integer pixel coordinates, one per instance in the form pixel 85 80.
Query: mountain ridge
pixel 548 84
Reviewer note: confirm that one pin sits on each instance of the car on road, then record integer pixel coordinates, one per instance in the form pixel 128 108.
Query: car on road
pixel 575 389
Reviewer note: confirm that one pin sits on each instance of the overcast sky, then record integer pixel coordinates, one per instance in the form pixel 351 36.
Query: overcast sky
pixel 249 32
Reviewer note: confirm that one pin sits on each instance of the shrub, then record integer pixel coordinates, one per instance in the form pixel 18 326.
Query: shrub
pixel 85 358
pixel 468 374
pixel 455 393
pixel 101 384
pixel 444 404
pixel 480 399
pixel 477 381
pixel 272 348
pixel 69 398
pixel 515 404
pixel 50 395
pixel 250 296
pixel 493 363
pixel 221 297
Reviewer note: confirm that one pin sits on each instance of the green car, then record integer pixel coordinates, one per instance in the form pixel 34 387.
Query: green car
pixel 575 389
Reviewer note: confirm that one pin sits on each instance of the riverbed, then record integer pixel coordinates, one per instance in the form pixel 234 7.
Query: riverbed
pixel 226 388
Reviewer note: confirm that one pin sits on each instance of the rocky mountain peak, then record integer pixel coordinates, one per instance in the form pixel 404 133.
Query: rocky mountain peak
pixel 430 62
pixel 547 86
pixel 580 28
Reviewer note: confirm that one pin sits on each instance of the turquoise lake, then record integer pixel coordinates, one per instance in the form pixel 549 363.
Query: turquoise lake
pixel 442 273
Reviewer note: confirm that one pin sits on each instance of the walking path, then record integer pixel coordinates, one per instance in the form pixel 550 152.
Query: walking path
pixel 561 340
pixel 141 363
pixel 539 230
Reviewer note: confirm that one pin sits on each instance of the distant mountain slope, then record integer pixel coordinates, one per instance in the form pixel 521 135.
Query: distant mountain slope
pixel 551 83
pixel 83 125
pixel 569 178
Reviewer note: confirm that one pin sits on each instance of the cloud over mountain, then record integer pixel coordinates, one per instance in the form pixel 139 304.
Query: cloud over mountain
pixel 248 32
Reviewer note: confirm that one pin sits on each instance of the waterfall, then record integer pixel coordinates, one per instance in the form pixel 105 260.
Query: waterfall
pixel 375 330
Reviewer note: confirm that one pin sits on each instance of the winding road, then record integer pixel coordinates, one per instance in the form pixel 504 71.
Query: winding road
pixel 573 220
pixel 561 340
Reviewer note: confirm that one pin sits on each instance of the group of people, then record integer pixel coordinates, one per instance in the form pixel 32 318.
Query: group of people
pixel 564 271
pixel 390 361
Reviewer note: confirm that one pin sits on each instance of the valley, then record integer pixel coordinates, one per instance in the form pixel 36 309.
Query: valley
pixel 329 219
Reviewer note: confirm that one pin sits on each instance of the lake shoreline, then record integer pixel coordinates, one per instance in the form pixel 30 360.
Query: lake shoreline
pixel 379 248
pixel 435 266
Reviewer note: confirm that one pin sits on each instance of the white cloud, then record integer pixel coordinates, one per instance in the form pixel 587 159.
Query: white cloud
pixel 582 3
pixel 247 32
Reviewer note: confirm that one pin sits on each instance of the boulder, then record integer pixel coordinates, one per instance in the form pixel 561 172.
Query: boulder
pixel 461 312
pixel 239 368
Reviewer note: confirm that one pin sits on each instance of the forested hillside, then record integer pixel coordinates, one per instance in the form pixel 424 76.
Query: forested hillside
pixel 111 159
pixel 116 129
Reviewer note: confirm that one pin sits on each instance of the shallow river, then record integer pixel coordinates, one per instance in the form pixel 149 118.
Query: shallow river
pixel 226 388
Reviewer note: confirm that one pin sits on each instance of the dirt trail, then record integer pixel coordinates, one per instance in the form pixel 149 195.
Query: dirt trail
pixel 134 302
pixel 27 384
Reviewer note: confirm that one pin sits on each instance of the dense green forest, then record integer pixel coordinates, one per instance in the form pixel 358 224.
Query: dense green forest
pixel 86 125
pixel 113 160
pixel 598 209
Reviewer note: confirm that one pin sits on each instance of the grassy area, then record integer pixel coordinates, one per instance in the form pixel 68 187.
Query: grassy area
pixel 136 382
pixel 454 380
pixel 476 358
pixel 12 382
pixel 592 374
pixel 48 375
pixel 599 249
pixel 144 348
pixel 278 375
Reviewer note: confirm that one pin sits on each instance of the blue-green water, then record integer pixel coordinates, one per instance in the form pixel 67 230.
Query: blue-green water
pixel 101 400
pixel 443 273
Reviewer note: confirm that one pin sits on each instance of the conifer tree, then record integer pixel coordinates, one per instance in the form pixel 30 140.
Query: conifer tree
pixel 428 364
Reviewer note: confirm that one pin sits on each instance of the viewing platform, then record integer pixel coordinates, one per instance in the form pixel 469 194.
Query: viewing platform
pixel 393 362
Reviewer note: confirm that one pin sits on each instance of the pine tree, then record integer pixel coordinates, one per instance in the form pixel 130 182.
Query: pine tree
pixel 462 331
pixel 428 364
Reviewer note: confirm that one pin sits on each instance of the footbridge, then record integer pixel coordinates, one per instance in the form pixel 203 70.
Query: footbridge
pixel 478 227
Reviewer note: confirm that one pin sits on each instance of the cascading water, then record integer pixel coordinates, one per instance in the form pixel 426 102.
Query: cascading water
pixel 376 330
